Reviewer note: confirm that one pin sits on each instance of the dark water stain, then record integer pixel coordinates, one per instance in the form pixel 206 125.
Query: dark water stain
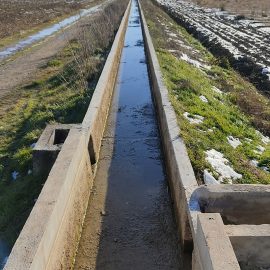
pixel 4 252
pixel 129 223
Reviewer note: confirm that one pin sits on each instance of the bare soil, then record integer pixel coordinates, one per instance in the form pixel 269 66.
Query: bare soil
pixel 259 9
pixel 18 16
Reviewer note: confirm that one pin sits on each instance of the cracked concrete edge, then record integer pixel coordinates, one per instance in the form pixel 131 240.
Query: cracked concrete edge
pixel 51 233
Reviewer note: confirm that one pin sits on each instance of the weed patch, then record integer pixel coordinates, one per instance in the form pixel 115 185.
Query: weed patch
pixel 229 109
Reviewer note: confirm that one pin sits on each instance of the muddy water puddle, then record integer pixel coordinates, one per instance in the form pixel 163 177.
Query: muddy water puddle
pixel 129 222
pixel 4 252
pixel 44 33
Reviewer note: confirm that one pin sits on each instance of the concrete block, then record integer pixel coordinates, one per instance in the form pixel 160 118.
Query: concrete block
pixel 49 145
pixel 251 244
pixel 214 248
pixel 237 204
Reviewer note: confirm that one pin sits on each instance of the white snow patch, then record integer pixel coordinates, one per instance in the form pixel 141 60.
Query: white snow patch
pixel 221 166
pixel 259 150
pixel 215 89
pixel 14 175
pixel 209 179
pixel 203 99
pixel 234 142
pixel 193 119
pixel 265 70
pixel 33 145
pixel 172 34
pixel 265 139
pixel 193 62
pixel 254 162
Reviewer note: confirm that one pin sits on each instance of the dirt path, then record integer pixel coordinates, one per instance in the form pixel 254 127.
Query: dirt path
pixel 23 68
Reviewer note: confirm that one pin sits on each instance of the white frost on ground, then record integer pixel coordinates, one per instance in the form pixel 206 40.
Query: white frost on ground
pixel 172 34
pixel 260 150
pixel 193 119
pixel 234 142
pixel 14 175
pixel 193 62
pixel 209 179
pixel 203 99
pixel 221 166
pixel 265 139
pixel 172 51
pixel 215 89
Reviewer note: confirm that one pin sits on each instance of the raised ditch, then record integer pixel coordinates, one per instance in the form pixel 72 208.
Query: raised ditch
pixel 129 222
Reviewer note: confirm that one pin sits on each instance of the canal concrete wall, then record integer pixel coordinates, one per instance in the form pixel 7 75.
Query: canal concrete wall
pixel 50 236
pixel 215 217
pixel 220 224
pixel 180 172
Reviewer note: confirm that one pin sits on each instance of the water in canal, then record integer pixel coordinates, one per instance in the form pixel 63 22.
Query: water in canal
pixel 4 252
pixel 129 222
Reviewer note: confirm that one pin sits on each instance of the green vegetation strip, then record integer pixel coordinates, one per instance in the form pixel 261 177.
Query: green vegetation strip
pixel 47 100
pixel 61 93
pixel 208 118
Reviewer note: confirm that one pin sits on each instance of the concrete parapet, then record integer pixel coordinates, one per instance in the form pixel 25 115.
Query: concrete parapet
pixel 180 172
pixel 237 204
pixel 202 211
pixel 213 244
pixel 96 115
pixel 49 145
pixel 50 236
pixel 55 218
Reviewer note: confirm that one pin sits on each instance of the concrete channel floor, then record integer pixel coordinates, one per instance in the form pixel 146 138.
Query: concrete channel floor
pixel 129 222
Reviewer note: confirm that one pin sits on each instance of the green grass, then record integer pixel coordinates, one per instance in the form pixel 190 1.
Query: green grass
pixel 48 99
pixel 186 84
pixel 238 112
pixel 61 92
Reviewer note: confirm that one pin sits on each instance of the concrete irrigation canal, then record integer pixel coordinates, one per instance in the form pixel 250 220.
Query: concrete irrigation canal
pixel 129 222
pixel 121 192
